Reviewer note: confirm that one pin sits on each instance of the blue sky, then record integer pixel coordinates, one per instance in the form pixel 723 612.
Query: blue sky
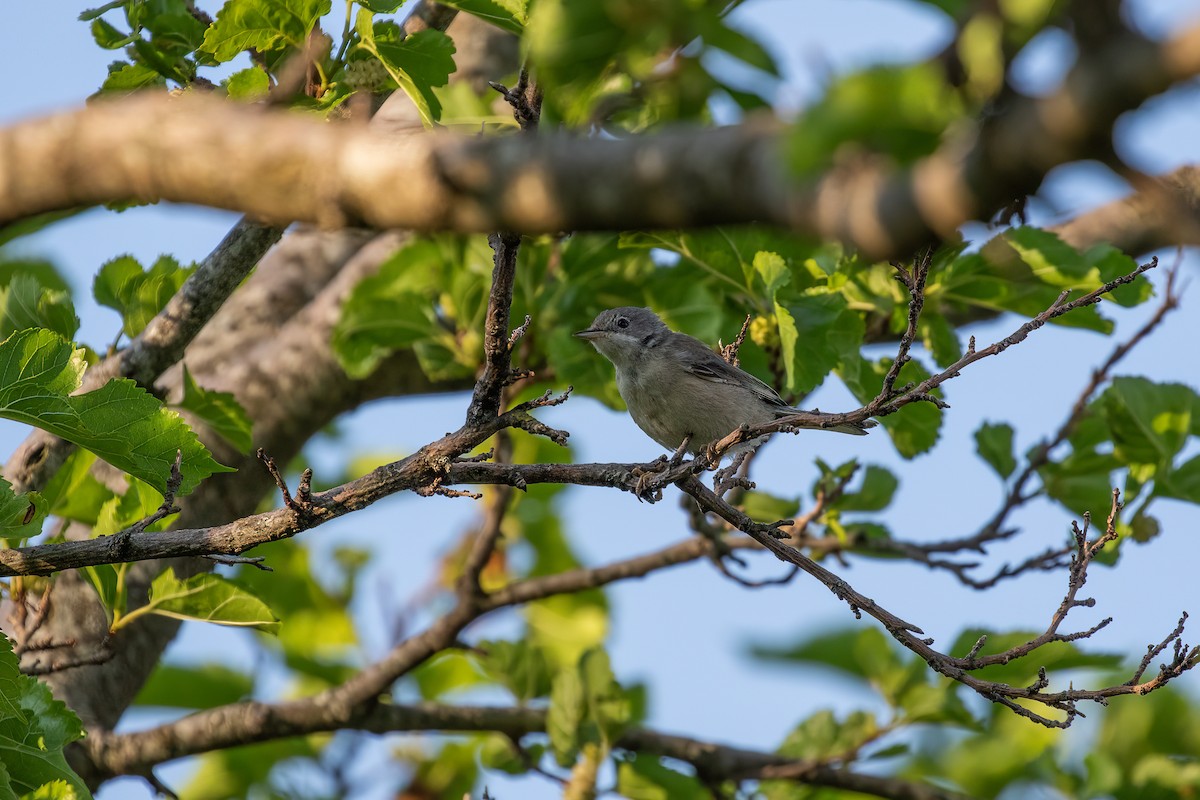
pixel 685 631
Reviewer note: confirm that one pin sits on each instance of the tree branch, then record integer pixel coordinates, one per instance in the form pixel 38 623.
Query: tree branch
pixel 549 184
pixel 127 753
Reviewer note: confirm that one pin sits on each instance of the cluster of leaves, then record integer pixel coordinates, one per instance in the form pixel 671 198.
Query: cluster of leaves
pixel 170 43
pixel 34 729
pixel 635 65
pixel 1137 433
pixel 119 423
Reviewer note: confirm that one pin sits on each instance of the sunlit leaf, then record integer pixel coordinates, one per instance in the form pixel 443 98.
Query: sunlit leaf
pixel 208 598
pixel 119 422
pixel 261 25
pixel 509 15
pixel 138 294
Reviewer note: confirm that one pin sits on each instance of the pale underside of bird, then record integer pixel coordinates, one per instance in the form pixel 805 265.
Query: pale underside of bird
pixel 676 387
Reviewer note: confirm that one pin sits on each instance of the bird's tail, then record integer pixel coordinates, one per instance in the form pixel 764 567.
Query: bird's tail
pixel 855 430
pixel 852 428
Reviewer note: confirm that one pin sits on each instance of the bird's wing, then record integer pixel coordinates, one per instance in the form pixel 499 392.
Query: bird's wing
pixel 707 365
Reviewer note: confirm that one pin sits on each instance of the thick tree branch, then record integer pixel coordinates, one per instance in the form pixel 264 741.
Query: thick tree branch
pixel 548 184
pixel 121 754
pixel 1162 212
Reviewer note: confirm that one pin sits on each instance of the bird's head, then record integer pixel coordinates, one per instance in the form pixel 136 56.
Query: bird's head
pixel 623 334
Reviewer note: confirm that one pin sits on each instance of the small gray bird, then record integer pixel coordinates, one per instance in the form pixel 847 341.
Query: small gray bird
pixel 676 387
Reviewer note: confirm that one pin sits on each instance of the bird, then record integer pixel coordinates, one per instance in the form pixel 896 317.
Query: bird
pixel 677 389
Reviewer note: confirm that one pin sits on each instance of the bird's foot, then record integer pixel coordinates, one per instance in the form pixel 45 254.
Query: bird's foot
pixel 648 487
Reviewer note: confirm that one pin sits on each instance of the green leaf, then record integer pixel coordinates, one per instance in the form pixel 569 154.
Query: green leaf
pixel 92 13
pixel 587 706
pixel 1143 527
pixel 119 422
pixel 218 410
pixel 788 337
pixel 417 63
pixel 609 708
pixel 319 630
pixel 940 338
pixel 125 78
pixel 195 687
pixel 447 672
pixel 830 331
pixel 1052 260
pixel 73 493
pixel 713 253
pixel 104 580
pixel 1182 483
pixel 41 271
pixel 773 270
pixel 450 772
pixel 108 36
pixel 207 598
pixel 1082 481
pixel 248 84
pixel 1112 263
pixel 137 294
pixel 937 702
pixel 866 654
pixel 497 753
pixel 244 771
pixel 563 626
pixel 733 42
pixel 823 735
pixel 764 507
pixel 915 428
pixel 261 25
pixel 381 6
pixel 994 444
pixel 1055 656
pixel 34 729
pixel 997 278
pixel 118 513
pixel 508 15
pixel 645 778
pixel 565 716
pixel 520 667
pixel 389 310
pixel 1149 422
pixel 875 494
pixel 26 303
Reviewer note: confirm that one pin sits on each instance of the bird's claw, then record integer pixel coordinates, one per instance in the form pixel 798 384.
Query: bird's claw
pixel 646 487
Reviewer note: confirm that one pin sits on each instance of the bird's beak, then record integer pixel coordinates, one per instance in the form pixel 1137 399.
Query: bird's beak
pixel 590 333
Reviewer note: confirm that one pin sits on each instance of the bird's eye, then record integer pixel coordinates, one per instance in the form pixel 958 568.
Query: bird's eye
pixel 622 322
